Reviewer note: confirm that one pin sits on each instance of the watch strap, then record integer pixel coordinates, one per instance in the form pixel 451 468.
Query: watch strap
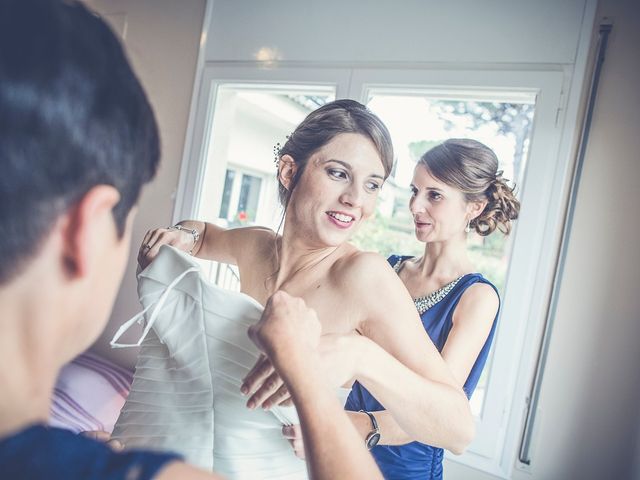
pixel 374 422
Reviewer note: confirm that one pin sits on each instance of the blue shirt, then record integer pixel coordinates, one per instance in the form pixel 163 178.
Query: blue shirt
pixel 42 453
pixel 417 460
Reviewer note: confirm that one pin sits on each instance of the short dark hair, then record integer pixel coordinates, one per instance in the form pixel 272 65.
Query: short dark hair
pixel 323 125
pixel 73 115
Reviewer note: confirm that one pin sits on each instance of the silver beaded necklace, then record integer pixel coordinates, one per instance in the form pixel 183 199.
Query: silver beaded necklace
pixel 425 302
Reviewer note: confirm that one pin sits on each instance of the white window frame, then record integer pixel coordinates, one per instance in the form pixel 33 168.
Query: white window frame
pixel 530 274
pixel 213 76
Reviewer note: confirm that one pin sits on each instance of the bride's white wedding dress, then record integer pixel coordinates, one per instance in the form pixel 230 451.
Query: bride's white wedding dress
pixel 186 395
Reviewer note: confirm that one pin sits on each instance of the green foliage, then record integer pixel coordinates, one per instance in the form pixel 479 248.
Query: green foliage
pixel 509 118
pixel 492 267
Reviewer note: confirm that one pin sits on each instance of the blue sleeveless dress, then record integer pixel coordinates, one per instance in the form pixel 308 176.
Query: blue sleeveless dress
pixel 416 460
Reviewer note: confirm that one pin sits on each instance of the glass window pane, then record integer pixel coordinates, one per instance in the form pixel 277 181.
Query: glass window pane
pixel 248 201
pixel 248 122
pixel 226 194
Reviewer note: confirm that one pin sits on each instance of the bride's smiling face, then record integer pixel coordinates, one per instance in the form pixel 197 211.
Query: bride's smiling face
pixel 337 190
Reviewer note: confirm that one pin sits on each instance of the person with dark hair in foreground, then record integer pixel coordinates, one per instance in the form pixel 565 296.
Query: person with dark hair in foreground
pixel 78 140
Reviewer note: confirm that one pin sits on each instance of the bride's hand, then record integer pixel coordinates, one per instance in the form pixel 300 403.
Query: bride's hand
pixel 339 354
pixel 265 386
pixel 157 237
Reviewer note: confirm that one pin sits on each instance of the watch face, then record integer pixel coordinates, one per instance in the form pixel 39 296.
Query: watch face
pixel 372 440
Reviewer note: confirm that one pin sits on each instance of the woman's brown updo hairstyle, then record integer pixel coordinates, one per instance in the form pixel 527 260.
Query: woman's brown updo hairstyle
pixel 325 123
pixel 472 167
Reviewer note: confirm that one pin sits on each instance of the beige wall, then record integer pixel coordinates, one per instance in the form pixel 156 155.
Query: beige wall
pixel 162 39
pixel 591 392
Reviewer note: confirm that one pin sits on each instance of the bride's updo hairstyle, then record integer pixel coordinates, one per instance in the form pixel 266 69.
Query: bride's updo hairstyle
pixel 472 167
pixel 325 123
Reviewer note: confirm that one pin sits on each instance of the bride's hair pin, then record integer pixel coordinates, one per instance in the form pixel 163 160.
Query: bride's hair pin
pixel 276 154
pixel 277 150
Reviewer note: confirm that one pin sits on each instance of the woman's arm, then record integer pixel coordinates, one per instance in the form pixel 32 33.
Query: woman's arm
pixel 472 320
pixel 429 410
pixel 393 358
pixel 399 364
pixel 213 242
pixel 390 431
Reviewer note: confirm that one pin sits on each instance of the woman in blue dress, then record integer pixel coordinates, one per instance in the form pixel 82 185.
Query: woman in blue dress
pixel 456 188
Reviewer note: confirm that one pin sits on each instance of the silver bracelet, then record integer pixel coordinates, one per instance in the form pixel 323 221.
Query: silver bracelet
pixel 192 231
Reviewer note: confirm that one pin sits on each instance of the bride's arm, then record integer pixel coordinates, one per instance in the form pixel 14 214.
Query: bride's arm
pixel 398 363
pixel 393 358
pixel 472 321
pixel 200 239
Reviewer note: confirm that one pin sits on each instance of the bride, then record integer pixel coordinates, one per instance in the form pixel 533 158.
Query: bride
pixel 330 171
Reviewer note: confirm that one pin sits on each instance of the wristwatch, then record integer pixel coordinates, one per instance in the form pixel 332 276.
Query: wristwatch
pixel 373 437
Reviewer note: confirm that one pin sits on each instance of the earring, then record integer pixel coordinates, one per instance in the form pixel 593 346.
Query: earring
pixel 467 229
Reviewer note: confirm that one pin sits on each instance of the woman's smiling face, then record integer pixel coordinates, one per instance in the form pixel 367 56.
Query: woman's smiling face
pixel 337 190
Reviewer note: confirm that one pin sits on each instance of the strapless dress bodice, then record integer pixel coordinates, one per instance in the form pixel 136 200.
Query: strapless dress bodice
pixel 185 395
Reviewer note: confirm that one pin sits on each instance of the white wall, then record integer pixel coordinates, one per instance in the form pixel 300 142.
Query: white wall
pixel 161 38
pixel 544 31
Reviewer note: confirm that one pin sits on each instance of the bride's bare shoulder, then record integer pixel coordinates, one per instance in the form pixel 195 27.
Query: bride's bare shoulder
pixel 261 233
pixel 363 268
pixel 262 241
pixel 252 235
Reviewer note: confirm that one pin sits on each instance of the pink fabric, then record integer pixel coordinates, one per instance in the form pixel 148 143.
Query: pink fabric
pixel 89 394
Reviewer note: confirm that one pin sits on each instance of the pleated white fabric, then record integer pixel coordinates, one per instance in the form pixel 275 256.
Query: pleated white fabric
pixel 185 395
